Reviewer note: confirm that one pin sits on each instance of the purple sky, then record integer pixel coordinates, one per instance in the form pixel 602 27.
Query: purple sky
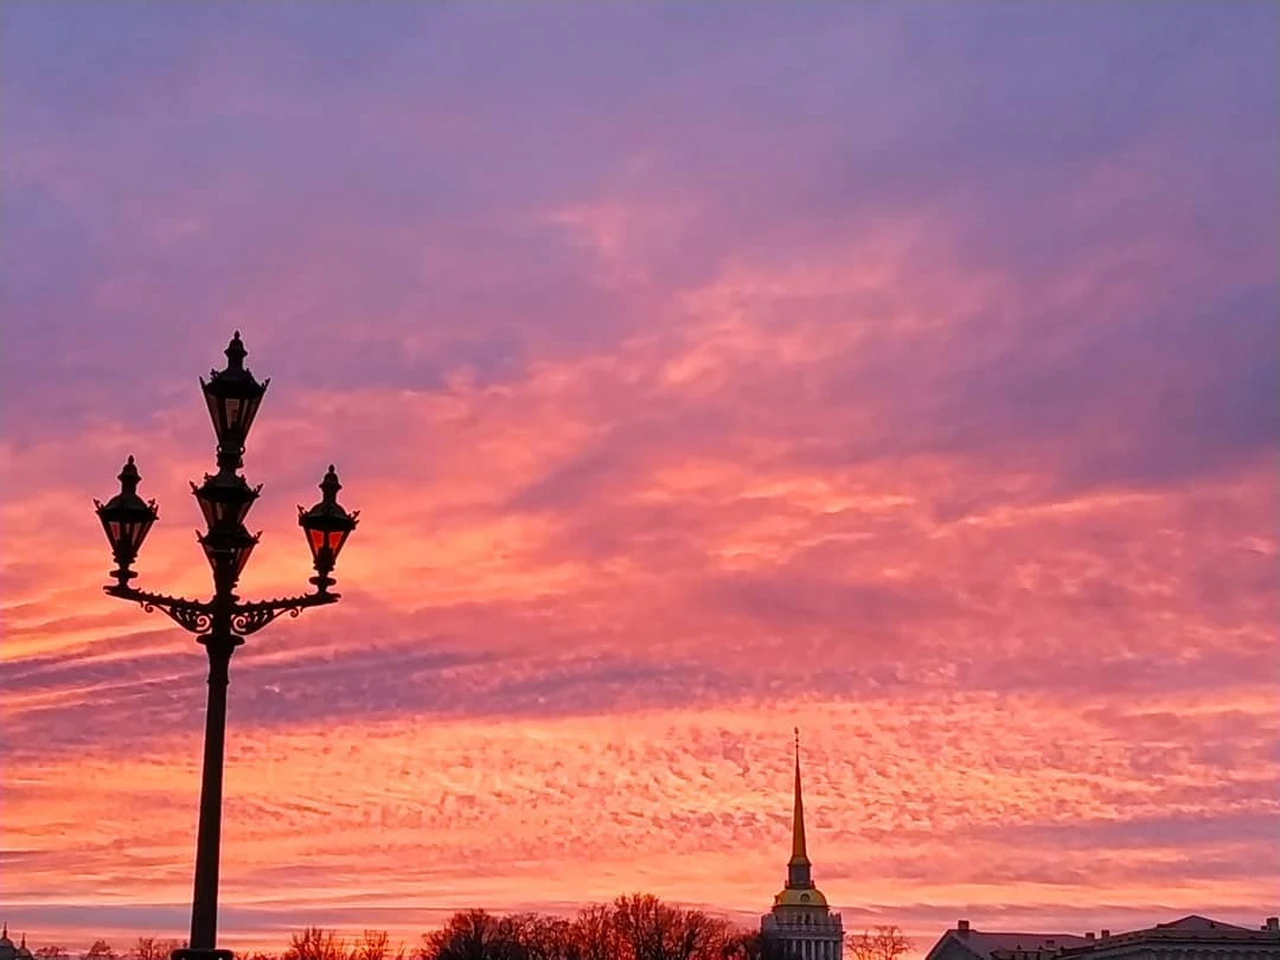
pixel 906 371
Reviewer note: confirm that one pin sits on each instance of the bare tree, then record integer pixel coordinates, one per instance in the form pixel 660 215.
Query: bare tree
pixel 641 924
pixel 597 934
pixel 886 943
pixel 693 935
pixel 634 927
pixel 749 946
pixel 376 945
pixel 314 943
pixel 652 930
pixel 151 948
pixel 549 938
pixel 473 935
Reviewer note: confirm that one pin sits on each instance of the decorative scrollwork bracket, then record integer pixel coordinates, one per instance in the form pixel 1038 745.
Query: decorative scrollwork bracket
pixel 194 616
pixel 197 616
pixel 247 618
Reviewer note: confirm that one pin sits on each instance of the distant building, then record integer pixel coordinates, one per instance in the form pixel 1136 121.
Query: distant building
pixel 801 925
pixel 1191 938
pixel 8 951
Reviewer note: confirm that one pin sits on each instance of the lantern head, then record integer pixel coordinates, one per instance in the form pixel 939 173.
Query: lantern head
pixel 233 396
pixel 227 549
pixel 126 518
pixel 225 499
pixel 327 526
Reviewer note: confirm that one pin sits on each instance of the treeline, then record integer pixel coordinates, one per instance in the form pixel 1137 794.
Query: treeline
pixel 635 927
pixel 147 948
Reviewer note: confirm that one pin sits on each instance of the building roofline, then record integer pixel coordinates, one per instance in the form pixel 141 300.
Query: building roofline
pixel 1192 929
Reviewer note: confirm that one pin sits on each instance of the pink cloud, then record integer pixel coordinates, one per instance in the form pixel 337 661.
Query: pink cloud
pixel 934 417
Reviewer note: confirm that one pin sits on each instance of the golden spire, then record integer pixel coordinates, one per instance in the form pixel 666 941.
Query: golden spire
pixel 799 853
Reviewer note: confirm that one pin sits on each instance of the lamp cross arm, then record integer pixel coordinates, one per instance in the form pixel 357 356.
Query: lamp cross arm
pixel 194 616
pixel 247 618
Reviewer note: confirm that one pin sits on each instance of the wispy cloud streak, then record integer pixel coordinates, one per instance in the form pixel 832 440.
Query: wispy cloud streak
pixel 698 373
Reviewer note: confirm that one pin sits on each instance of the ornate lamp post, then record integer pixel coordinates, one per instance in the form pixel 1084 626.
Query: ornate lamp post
pixel 222 622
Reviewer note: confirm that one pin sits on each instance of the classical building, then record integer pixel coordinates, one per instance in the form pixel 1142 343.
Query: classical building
pixel 801 925
pixel 1191 938
pixel 8 951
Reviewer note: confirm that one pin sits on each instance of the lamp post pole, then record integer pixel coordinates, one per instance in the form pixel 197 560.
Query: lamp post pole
pixel 220 644
pixel 222 622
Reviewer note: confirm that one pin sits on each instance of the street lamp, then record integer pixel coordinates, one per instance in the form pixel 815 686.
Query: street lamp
pixel 327 527
pixel 222 622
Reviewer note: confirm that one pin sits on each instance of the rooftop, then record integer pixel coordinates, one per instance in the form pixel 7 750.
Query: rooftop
pixel 1039 946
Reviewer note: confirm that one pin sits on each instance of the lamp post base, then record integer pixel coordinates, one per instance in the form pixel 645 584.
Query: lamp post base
pixel 186 953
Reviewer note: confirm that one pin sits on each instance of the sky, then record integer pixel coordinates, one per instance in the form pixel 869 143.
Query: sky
pixel 903 373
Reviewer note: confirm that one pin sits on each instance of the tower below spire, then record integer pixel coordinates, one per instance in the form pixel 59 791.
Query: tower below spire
pixel 801 923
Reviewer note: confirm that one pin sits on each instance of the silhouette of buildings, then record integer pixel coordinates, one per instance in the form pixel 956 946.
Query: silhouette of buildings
pixel 801 924
pixel 8 951
pixel 1191 938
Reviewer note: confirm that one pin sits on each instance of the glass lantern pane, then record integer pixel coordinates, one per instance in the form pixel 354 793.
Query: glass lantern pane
pixel 317 540
pixel 137 531
pixel 248 412
pixel 209 510
pixel 234 409
pixel 242 557
pixel 214 413
pixel 113 532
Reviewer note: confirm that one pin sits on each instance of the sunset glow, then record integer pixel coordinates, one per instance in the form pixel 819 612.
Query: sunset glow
pixel 905 374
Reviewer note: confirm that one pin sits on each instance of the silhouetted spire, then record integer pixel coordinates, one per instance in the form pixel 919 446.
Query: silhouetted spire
pixel 799 853
pixel 798 867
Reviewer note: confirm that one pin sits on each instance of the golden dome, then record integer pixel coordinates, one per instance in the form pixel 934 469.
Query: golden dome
pixel 800 897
